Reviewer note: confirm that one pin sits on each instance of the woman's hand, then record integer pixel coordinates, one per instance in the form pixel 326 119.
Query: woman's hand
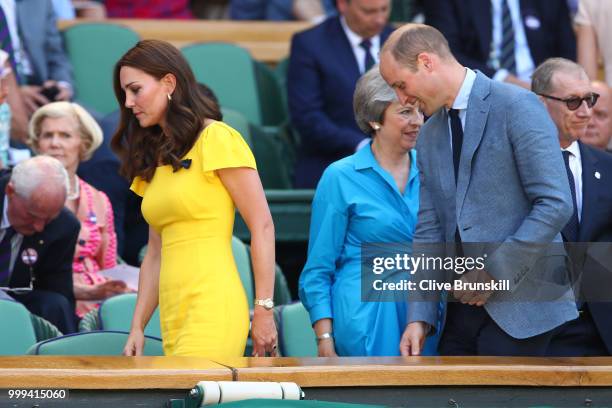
pixel 104 290
pixel 326 348
pixel 263 333
pixel 135 343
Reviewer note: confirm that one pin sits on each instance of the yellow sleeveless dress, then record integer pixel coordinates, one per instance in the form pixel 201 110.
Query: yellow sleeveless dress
pixel 202 303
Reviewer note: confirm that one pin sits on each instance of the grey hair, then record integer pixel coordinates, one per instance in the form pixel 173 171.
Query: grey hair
pixel 541 80
pixel 371 98
pixel 29 174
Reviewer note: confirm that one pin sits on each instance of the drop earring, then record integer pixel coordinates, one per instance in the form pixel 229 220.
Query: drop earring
pixel 169 97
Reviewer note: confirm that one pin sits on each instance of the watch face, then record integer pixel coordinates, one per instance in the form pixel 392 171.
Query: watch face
pixel 268 304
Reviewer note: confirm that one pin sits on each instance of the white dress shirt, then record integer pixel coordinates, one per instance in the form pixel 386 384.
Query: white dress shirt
pixel 575 164
pixel 461 100
pixel 522 55
pixel 355 41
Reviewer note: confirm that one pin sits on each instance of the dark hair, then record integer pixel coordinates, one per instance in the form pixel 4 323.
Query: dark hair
pixel 141 150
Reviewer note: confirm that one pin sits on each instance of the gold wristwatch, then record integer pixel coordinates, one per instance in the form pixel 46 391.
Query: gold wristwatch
pixel 267 303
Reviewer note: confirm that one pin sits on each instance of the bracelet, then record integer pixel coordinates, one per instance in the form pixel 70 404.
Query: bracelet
pixel 324 336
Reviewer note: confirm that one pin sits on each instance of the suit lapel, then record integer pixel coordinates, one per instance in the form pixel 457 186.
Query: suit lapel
pixel 590 192
pixel 342 49
pixel 475 121
pixel 442 144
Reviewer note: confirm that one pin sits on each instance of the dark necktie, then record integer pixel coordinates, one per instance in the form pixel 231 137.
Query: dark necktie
pixel 570 231
pixel 368 59
pixel 5 256
pixel 457 137
pixel 506 58
pixel 5 41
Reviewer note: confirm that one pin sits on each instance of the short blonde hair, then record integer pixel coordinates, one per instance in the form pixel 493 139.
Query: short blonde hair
pixel 89 130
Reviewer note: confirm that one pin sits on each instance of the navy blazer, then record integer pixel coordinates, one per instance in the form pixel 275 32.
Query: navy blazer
pixel 596 226
pixel 468 27
pixel 54 247
pixel 321 79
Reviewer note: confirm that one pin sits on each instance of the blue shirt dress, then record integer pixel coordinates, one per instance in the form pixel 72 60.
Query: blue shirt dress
pixel 357 201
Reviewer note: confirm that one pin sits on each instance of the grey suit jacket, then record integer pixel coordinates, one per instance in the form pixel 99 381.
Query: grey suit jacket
pixel 512 188
pixel 38 31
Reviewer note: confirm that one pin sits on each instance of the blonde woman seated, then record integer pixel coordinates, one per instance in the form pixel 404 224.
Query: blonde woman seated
pixel 67 132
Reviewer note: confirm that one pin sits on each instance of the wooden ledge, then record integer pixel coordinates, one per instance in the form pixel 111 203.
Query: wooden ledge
pixel 267 41
pixel 428 371
pixel 94 372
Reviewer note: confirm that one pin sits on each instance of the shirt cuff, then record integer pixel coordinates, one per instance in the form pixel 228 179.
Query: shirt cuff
pixel 320 311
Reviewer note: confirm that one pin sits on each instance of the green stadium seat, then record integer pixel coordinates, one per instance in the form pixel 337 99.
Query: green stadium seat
pixel 271 101
pixel 229 71
pixel 94 343
pixel 243 264
pixel 93 50
pixel 239 122
pixel 116 313
pixel 296 338
pixel 271 156
pixel 16 324
pixel 291 213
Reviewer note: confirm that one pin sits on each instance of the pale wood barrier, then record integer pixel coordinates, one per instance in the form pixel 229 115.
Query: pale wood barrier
pixel 125 373
pixel 427 371
pixel 268 42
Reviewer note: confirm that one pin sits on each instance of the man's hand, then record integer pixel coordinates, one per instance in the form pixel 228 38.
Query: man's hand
pixel 413 338
pixel 65 91
pixel 33 98
pixel 474 298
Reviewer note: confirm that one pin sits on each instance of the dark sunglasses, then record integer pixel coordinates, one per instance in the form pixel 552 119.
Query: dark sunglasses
pixel 574 102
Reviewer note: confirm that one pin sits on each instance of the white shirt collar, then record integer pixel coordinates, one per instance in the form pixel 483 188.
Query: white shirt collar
pixel 355 39
pixel 5 221
pixel 463 97
pixel 574 149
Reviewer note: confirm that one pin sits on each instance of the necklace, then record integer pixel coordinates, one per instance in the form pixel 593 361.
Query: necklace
pixel 76 190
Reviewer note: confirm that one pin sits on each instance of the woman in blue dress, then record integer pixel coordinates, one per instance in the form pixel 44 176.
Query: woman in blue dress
pixel 371 196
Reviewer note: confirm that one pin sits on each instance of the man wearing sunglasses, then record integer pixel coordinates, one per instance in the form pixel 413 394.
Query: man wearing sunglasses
pixel 567 93
pixel 37 240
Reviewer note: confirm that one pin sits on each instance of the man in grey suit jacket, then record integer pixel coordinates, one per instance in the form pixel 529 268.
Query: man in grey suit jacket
pixel 44 63
pixel 490 173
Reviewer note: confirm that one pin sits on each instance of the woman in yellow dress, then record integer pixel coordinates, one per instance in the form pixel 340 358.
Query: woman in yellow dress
pixel 192 171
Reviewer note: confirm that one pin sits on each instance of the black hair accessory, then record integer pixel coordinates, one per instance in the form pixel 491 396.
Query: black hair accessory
pixel 186 163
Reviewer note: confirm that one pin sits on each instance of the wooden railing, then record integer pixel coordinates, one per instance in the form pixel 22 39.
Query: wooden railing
pixel 266 41
pixel 182 372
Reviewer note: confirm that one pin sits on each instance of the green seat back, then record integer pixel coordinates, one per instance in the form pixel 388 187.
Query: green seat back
pixel 282 294
pixel 94 343
pixel 116 313
pixel 291 214
pixel 243 263
pixel 271 101
pixel 239 122
pixel 16 326
pixel 296 336
pixel 270 157
pixel 229 71
pixel 93 50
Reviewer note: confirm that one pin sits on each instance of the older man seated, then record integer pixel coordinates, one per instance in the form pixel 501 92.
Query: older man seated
pixel 37 240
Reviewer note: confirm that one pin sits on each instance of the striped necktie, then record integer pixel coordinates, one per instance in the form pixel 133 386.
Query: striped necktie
pixel 570 231
pixel 368 59
pixel 5 256
pixel 506 58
